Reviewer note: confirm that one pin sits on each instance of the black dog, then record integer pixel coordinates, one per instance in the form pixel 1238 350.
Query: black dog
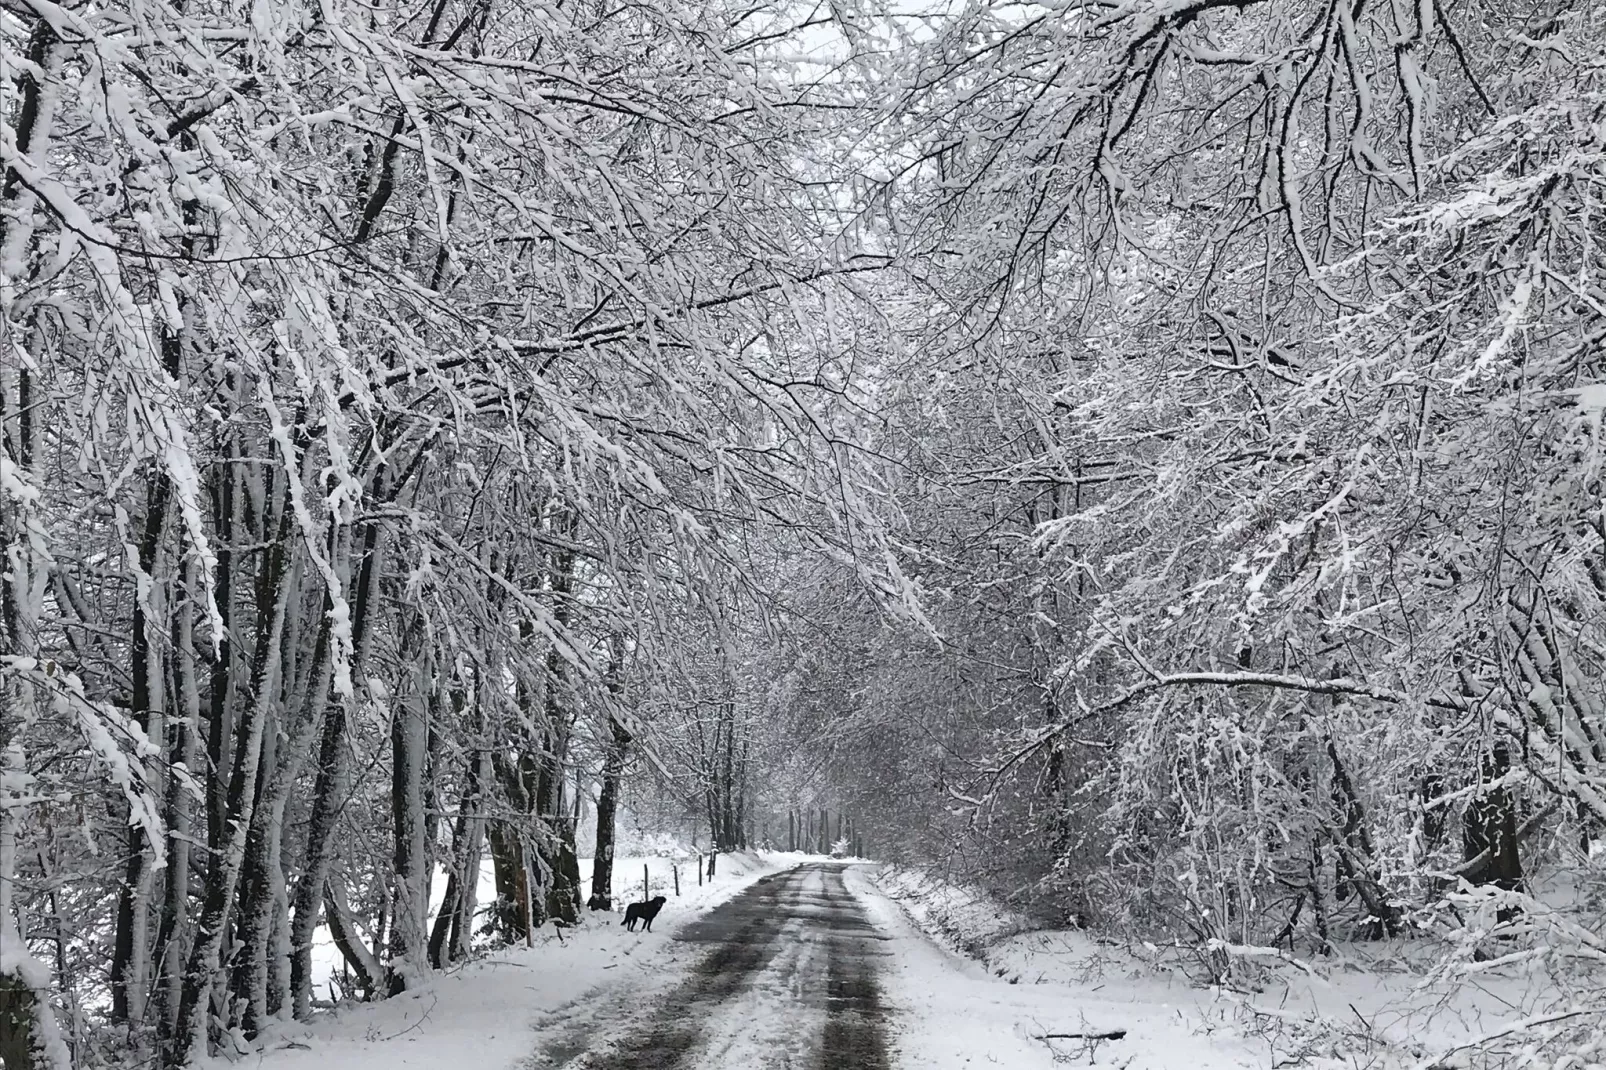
pixel 643 912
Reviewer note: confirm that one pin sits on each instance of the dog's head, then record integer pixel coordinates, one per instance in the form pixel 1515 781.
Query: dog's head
pixel 656 901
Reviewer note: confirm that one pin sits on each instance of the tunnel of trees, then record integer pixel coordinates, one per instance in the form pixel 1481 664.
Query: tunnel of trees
pixel 1146 455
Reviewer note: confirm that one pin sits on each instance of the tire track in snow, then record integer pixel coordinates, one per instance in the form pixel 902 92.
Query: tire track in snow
pixel 855 1028
pixel 789 982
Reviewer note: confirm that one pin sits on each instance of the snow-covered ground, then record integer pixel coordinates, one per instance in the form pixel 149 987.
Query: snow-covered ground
pixel 660 871
pixel 960 1011
pixel 497 1012
pixel 964 983
pixel 1372 1005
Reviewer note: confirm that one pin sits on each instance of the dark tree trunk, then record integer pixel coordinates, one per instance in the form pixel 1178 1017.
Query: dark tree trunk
pixel 1489 828
pixel 255 899
pixel 17 1014
pixel 132 916
pixel 220 705
pixel 445 918
pixel 172 937
pixel 554 833
pixel 218 902
pixel 306 900
pixel 563 896
pixel 613 765
pixel 1356 857
pixel 507 862
pixel 509 859
pixel 348 941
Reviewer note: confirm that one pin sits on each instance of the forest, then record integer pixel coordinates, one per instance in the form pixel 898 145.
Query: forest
pixel 1146 456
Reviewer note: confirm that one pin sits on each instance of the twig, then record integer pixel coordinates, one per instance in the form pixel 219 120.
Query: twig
pixel 422 1018
pixel 1114 1034
pixel 1515 1027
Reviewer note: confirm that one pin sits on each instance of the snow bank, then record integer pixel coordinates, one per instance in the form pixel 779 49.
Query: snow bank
pixel 1006 943
pixel 1379 1005
pixel 957 1012
pixel 963 918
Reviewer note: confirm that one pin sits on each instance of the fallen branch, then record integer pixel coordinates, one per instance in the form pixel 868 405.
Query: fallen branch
pixel 1251 951
pixel 1114 1034
pixel 1505 1031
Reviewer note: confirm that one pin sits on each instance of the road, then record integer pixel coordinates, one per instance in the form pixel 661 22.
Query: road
pixel 788 980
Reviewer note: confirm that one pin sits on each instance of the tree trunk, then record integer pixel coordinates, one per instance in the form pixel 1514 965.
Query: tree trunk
pixel 558 867
pixel 220 688
pixel 613 764
pixel 445 921
pixel 343 930
pixel 445 939
pixel 1489 828
pixel 190 1038
pixel 263 925
pixel 449 939
pixel 307 899
pixel 130 943
pixel 563 895
pixel 255 897
pixel 510 860
pixel 173 930
pixel 1356 857
pixel 409 737
pixel 28 1036
pixel 508 865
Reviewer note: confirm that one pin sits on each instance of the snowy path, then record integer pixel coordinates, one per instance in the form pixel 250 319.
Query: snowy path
pixel 787 978
pixel 815 968
pixel 808 968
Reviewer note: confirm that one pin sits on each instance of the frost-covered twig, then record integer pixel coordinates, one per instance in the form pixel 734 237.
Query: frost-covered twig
pixel 1511 1029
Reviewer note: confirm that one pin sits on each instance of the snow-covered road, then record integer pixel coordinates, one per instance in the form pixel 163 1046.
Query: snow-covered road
pixel 772 969
pixel 787 977
pixel 816 968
